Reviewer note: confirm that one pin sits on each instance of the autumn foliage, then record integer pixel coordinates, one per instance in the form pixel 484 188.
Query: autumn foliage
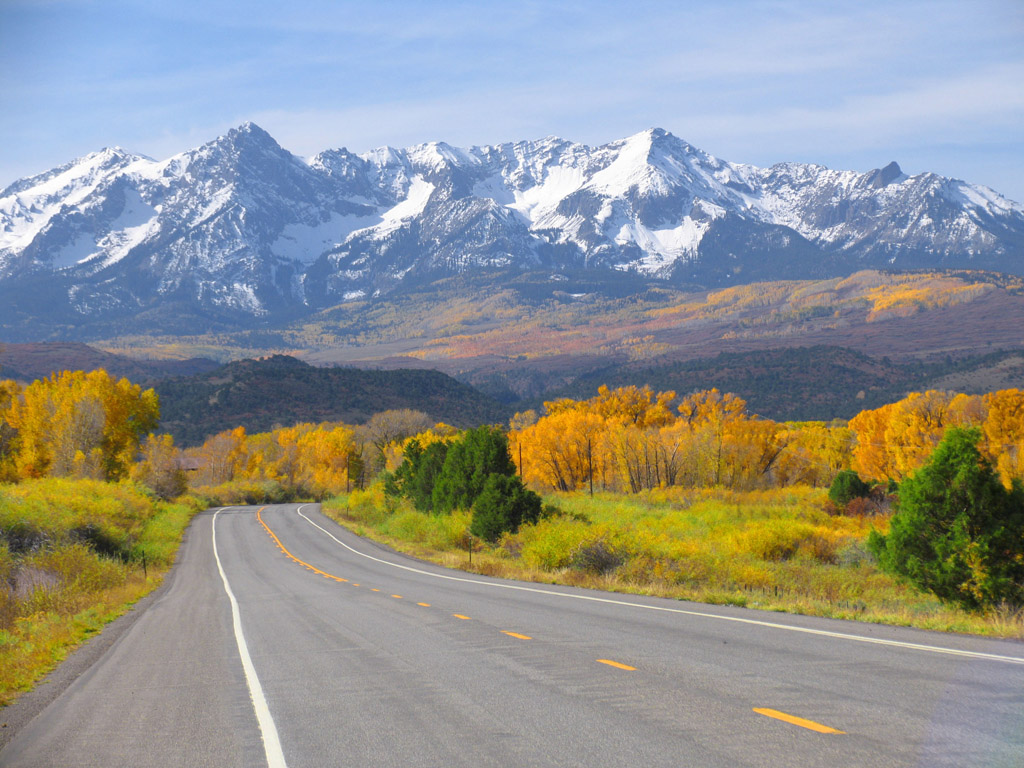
pixel 632 439
pixel 73 424
pixel 894 441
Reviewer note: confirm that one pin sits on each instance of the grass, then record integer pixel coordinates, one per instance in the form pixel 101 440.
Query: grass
pixel 772 550
pixel 74 555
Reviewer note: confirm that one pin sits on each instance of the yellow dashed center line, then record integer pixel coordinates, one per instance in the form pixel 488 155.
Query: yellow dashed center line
pixel 516 635
pixel 617 665
pixel 809 724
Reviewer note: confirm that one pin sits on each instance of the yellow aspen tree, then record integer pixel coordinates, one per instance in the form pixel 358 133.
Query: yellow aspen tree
pixel 707 413
pixel 1003 430
pixel 871 458
pixel 10 391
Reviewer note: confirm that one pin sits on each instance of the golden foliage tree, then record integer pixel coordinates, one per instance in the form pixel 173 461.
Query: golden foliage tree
pixel 82 424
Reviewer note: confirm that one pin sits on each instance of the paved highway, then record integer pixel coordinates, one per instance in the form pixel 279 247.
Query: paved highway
pixel 282 639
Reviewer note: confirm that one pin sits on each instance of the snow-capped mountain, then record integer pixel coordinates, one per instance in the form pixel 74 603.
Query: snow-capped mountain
pixel 240 228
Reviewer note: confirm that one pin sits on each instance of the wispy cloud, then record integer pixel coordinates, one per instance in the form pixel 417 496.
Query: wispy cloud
pixel 757 80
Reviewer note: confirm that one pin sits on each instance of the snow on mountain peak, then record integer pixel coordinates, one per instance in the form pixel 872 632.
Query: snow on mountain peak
pixel 242 213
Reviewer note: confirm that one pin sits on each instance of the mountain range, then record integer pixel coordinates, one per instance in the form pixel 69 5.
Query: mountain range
pixel 240 233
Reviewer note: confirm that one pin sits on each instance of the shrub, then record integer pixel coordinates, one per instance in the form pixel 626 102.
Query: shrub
pixel 468 465
pixel 861 506
pixel 549 545
pixel 846 487
pixel 598 557
pixel 419 472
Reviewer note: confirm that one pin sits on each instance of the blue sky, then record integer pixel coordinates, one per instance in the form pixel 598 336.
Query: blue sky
pixel 935 85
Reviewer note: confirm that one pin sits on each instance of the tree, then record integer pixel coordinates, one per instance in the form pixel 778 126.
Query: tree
pixel 9 393
pixel 958 531
pixel 76 423
pixel 160 469
pixel 1004 432
pixel 480 453
pixel 389 427
pixel 419 471
pixel 503 505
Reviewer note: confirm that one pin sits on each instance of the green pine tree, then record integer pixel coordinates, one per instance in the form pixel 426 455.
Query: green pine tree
pixel 958 532
pixel 503 505
pixel 480 453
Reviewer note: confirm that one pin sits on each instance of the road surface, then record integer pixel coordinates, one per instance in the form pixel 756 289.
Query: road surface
pixel 282 639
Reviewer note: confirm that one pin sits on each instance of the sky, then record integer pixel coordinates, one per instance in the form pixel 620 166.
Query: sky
pixel 935 85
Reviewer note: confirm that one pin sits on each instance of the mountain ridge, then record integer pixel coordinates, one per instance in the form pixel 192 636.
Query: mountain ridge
pixel 243 233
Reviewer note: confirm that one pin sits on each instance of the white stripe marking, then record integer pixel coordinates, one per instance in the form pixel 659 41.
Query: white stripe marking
pixel 755 622
pixel 271 742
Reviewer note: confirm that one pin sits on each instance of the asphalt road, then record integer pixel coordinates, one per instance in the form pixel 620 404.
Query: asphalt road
pixel 338 652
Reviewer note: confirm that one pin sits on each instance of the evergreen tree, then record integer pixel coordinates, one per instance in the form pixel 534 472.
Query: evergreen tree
pixel 958 531
pixel 481 452
pixel 503 505
pixel 418 474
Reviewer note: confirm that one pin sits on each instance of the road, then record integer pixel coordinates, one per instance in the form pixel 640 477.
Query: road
pixel 339 652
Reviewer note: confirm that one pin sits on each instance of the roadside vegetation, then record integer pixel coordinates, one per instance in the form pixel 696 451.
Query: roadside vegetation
pixel 703 501
pixel 74 554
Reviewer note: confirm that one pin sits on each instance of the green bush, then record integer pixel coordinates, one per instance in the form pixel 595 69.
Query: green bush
pixel 846 487
pixel 958 532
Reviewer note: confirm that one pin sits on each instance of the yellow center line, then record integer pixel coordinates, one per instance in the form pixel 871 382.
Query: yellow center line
pixel 425 605
pixel 397 597
pixel 460 616
pixel 809 724
pixel 292 557
pixel 374 589
pixel 617 665
pixel 516 635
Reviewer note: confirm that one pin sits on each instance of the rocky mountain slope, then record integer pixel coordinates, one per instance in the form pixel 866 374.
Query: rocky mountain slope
pixel 241 233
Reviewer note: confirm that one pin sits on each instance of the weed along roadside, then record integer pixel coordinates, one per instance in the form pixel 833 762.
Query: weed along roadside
pixel 74 555
pixel 774 550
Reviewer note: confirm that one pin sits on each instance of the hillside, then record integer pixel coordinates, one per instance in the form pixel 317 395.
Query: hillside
pixel 280 391
pixel 27 362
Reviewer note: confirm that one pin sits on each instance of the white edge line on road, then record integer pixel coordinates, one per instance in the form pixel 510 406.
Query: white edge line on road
pixel 737 619
pixel 271 742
